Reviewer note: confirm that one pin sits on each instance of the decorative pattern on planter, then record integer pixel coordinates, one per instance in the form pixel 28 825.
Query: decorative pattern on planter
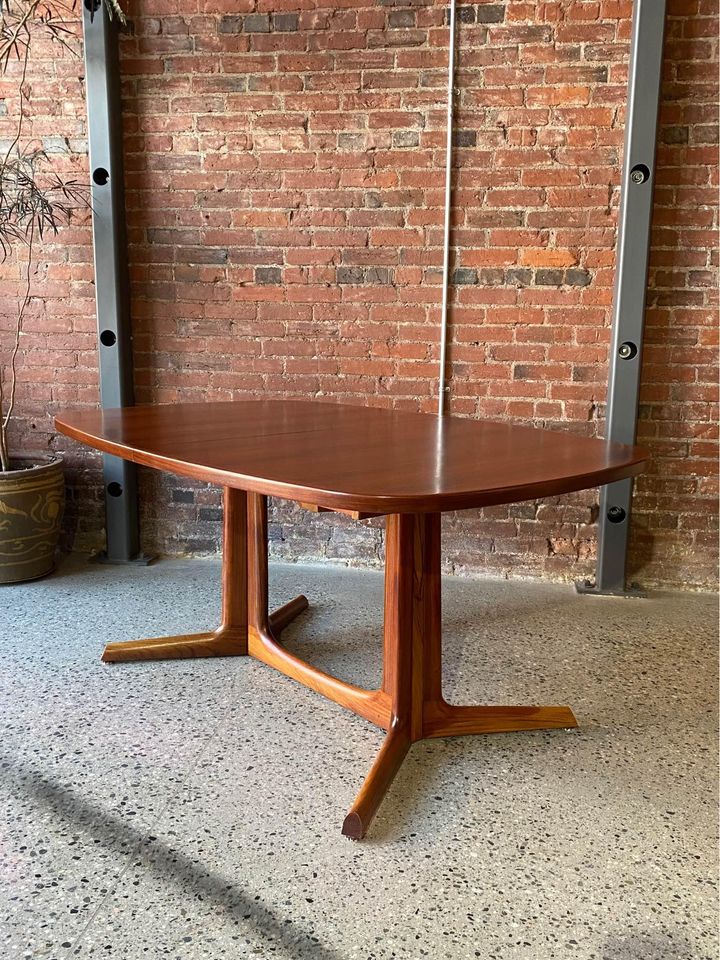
pixel 31 507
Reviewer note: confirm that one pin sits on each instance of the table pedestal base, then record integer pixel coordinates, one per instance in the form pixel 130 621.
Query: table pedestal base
pixel 409 702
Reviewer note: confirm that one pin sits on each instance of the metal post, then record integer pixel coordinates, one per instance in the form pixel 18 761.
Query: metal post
pixel 112 295
pixel 633 252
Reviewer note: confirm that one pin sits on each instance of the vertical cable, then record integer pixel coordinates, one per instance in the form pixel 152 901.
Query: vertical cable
pixel 448 210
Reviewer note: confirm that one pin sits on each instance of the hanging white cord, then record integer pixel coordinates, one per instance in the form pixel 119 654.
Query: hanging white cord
pixel 448 211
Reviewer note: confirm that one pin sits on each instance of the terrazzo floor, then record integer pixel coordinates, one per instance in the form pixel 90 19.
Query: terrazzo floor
pixel 192 809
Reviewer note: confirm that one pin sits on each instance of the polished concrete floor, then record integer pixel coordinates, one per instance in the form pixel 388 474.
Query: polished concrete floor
pixel 193 809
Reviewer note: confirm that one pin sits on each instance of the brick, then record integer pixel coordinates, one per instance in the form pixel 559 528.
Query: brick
pixel 577 278
pixel 549 278
pixel 406 138
pixel 350 275
pixel 378 275
pixel 285 208
pixel 464 138
pixel 490 12
pixel 464 275
pixel 210 513
pixel 402 18
pixel 256 23
pixel 285 22
pixel 543 257
pixel 519 277
pixel 230 24
pixel 268 275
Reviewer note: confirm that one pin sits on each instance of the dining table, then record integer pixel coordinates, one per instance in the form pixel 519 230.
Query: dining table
pixel 364 462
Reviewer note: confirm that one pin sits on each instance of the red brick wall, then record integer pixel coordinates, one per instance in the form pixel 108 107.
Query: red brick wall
pixel 284 164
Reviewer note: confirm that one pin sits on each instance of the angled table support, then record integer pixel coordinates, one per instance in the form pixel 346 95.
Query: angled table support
pixel 412 666
pixel 231 636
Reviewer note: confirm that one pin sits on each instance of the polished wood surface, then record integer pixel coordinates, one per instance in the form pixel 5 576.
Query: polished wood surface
pixel 263 642
pixel 231 637
pixel 359 459
pixel 363 462
pixel 411 631
pixel 409 704
pixel 412 667
pixel 353 514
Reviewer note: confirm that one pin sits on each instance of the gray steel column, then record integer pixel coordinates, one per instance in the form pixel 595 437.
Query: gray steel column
pixel 102 76
pixel 633 252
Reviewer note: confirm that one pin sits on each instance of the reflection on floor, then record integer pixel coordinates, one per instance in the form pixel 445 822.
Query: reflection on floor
pixel 193 809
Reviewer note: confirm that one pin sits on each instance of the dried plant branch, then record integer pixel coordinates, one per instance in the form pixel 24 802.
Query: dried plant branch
pixel 20 19
pixel 18 334
pixel 4 455
pixel 35 200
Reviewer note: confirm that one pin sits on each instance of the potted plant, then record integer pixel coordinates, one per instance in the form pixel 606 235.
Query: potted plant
pixel 35 201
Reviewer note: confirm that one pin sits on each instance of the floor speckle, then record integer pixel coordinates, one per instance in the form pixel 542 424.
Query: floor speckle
pixel 192 809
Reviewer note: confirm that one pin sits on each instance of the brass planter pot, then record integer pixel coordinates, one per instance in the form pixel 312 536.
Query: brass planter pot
pixel 32 496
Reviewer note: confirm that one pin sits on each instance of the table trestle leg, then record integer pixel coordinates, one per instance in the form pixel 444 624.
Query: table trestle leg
pixel 230 638
pixel 409 704
pixel 263 629
pixel 411 665
pixel 412 677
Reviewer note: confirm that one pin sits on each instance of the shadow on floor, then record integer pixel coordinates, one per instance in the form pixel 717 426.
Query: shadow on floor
pixel 193 879
pixel 648 946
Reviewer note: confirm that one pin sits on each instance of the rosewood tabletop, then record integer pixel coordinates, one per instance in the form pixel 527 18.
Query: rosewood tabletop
pixel 354 458
pixel 365 462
